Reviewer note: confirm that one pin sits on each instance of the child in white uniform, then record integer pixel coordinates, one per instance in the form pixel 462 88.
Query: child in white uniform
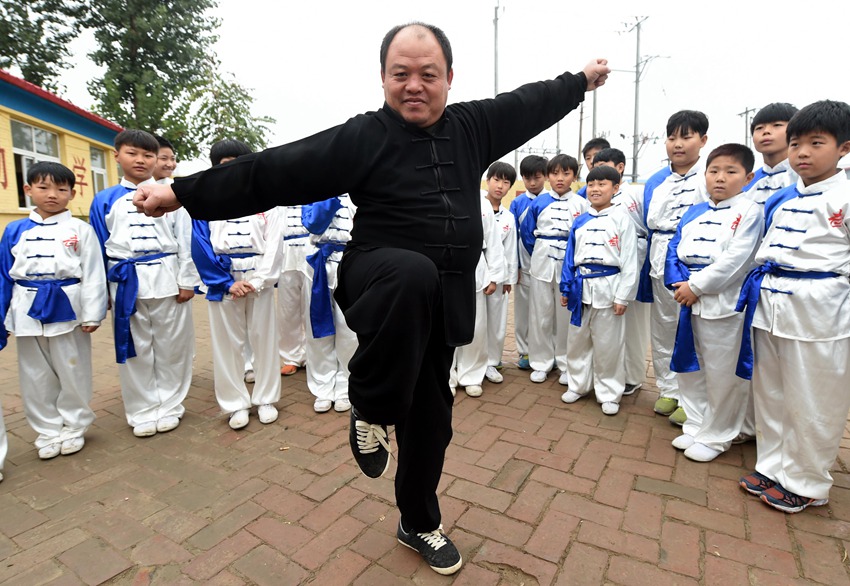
pixel 151 278
pixel 798 298
pixel 545 231
pixel 52 297
pixel 768 130
pixel 707 261
pixel 598 281
pixel 291 309
pixel 239 263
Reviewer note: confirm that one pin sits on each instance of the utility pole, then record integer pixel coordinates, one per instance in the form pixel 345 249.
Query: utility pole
pixel 746 114
pixel 638 70
pixel 496 49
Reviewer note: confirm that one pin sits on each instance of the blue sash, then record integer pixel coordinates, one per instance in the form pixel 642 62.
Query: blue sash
pixel 577 285
pixel 321 310
pixel 124 273
pixel 749 299
pixel 51 304
pixel 225 261
pixel 684 357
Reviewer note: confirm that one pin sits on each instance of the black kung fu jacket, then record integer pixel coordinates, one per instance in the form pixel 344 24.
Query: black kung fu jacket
pixel 414 189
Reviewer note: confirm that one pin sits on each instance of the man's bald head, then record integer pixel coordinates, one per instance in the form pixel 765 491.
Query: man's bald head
pixel 423 29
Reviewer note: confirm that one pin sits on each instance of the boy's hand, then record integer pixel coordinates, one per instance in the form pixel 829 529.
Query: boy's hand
pixel 620 309
pixel 563 301
pixel 185 295
pixel 89 329
pixel 506 289
pixel 490 289
pixel 155 200
pixel 683 294
pixel 597 73
pixel 241 289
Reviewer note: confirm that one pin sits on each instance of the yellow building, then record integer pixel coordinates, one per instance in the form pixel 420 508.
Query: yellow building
pixel 36 125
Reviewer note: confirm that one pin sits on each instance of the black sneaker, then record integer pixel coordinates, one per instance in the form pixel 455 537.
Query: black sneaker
pixel 370 446
pixel 630 389
pixel 438 550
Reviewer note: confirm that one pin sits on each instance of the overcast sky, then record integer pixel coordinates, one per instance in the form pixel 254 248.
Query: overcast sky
pixel 312 65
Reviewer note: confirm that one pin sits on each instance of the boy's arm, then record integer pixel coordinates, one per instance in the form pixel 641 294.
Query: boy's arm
pixel 97 219
pixel 674 271
pixel 6 283
pixel 317 217
pixel 94 294
pixel 212 272
pixel 529 225
pixel 494 255
pixel 509 244
pixel 187 274
pixel 267 270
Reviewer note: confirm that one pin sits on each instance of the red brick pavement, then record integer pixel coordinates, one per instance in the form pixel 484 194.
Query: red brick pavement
pixel 534 492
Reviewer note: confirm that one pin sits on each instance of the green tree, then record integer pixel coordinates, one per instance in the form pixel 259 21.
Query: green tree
pixel 34 37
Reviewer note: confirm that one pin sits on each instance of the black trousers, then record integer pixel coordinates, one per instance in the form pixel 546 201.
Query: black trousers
pixel 392 300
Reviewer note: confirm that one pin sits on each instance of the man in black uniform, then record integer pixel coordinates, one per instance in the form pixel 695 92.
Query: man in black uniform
pixel 406 281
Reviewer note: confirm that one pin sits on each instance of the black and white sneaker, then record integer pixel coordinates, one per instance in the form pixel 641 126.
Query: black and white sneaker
pixel 370 445
pixel 630 389
pixel 437 549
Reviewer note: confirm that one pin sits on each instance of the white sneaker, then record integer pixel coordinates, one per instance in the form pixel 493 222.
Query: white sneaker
pixel 683 442
pixel 249 376
pixel 474 390
pixel 146 429
pixel 493 375
pixel 238 419
pixel 1 477
pixel 538 376
pixel 72 446
pixel 564 379
pixel 167 423
pixel 453 390
pixel 50 451
pixel 322 405
pixel 570 397
pixel 267 413
pixel 701 453
pixel 342 405
pixel 610 408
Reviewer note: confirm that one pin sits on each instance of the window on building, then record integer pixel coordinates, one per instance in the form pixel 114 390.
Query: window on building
pixel 30 145
pixel 98 169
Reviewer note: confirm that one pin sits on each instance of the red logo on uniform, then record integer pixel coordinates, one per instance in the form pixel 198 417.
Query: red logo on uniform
pixel 633 206
pixel 615 242
pixel 71 242
pixel 736 222
pixel 577 214
pixel 836 219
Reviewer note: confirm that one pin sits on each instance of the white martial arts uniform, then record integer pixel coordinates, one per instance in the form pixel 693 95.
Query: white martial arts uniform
pixel 596 349
pixel 518 208
pixel 155 381
pixel 724 237
pixel 252 247
pixel 291 311
pixel 54 359
pixel 546 228
pixel 630 197
pixel 667 196
pixel 497 303
pixel 801 335
pixel 470 361
pixel 769 180
pixel 328 356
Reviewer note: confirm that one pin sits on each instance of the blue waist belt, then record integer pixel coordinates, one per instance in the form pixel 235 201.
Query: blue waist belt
pixel 321 310
pixel 124 273
pixel 217 292
pixel 576 286
pixel 684 357
pixel 749 299
pixel 51 304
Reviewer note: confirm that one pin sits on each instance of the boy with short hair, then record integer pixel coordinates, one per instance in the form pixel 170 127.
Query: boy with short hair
pixel 707 261
pixel 166 161
pixel 768 130
pixel 588 153
pixel 239 262
pixel 797 298
pixel 533 172
pixel 599 279
pixel 151 274
pixel 545 231
pixel 667 195
pixel 52 297
pixel 630 198
pixel 500 178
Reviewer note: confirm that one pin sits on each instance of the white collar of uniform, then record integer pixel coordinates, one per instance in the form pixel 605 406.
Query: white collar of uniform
pixel 36 217
pixel 726 203
pixel 838 179
pixel 783 165
pixel 593 212
pixel 127 183
pixel 165 181
pixel 566 197
pixel 697 169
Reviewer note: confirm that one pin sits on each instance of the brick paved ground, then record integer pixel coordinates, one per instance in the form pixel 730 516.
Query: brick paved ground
pixel 534 492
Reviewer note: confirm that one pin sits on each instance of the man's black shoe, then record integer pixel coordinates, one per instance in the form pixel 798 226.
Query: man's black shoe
pixel 370 446
pixel 437 549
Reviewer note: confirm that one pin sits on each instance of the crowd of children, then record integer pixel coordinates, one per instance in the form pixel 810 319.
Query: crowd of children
pixel 709 265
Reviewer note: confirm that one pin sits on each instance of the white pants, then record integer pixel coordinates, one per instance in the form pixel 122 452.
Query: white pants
pixel 548 324
pixel 328 357
pixel 290 317
pixel 664 319
pixel 56 385
pixel 4 441
pixel 801 404
pixel 714 399
pixel 497 324
pixel 231 321
pixel 521 307
pixel 595 354
pixel 637 341
pixel 155 382
pixel 470 361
